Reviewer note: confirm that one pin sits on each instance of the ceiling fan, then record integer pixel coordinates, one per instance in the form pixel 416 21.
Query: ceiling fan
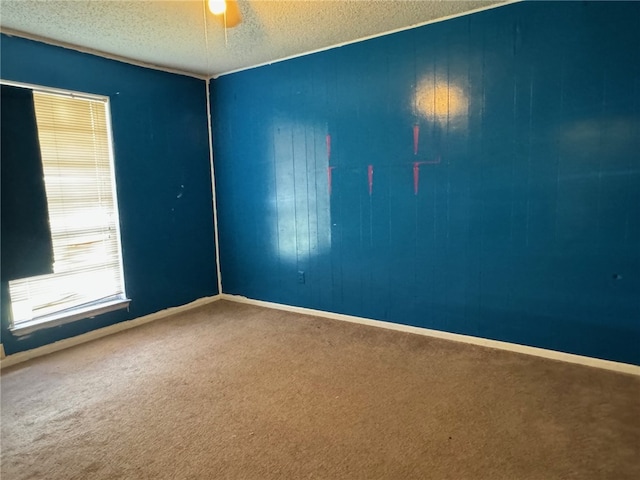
pixel 227 10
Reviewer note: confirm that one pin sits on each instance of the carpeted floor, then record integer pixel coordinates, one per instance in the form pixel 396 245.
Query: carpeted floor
pixel 231 391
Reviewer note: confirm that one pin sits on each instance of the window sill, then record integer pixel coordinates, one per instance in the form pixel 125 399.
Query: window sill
pixel 68 316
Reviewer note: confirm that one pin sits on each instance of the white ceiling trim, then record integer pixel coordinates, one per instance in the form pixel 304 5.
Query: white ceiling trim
pixel 15 33
pixel 179 47
pixel 369 37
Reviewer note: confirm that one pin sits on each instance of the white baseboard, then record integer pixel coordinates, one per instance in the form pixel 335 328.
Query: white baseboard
pixel 512 347
pixel 101 332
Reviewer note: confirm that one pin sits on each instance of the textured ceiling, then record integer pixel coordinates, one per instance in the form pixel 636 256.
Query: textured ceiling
pixel 184 36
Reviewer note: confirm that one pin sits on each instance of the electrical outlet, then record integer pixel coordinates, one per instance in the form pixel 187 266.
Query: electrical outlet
pixel 300 276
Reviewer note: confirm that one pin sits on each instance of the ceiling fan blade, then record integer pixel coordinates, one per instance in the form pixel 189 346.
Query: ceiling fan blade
pixel 234 17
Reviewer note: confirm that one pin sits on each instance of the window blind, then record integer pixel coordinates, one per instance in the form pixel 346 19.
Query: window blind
pixel 76 154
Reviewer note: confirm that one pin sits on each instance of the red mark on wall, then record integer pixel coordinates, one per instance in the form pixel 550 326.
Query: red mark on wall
pixel 416 173
pixel 416 138
pixel 329 177
pixel 370 178
pixel 329 169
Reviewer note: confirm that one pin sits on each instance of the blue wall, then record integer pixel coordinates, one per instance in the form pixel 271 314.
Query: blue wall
pixel 523 223
pixel 162 174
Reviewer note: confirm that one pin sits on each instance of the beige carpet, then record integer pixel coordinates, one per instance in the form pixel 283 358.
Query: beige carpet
pixel 232 391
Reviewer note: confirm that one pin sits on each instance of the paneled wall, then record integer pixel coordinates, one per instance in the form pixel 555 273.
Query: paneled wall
pixel 480 175
pixel 162 172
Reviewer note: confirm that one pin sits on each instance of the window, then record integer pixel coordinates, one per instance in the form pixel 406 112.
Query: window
pixel 87 279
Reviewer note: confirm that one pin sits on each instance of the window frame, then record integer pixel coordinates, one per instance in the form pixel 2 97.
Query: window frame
pixel 90 309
